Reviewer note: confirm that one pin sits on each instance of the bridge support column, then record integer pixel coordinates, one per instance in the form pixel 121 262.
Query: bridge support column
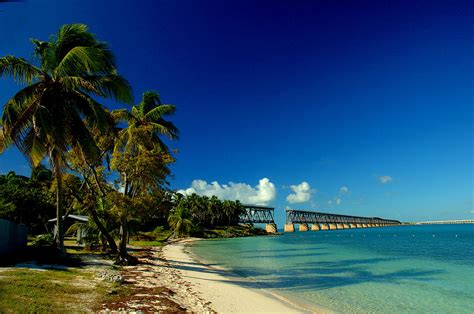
pixel 289 228
pixel 315 227
pixel 339 226
pixel 332 227
pixel 364 226
pixel 359 226
pixel 347 226
pixel 324 227
pixel 303 227
pixel 271 228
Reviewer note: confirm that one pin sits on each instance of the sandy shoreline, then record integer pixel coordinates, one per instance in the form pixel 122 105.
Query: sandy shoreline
pixel 225 292
pixel 171 279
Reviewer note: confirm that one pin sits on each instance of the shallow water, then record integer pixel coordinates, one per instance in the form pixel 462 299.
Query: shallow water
pixel 406 269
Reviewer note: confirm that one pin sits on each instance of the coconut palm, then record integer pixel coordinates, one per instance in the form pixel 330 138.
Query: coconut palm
pixel 180 220
pixel 45 119
pixel 148 114
pixel 139 155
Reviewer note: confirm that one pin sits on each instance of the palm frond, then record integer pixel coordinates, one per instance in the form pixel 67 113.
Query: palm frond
pixel 123 115
pixel 19 69
pixel 166 128
pixel 84 60
pixel 150 100
pixel 160 111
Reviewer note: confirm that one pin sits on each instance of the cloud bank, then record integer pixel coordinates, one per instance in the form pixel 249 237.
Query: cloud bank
pixel 262 194
pixel 302 193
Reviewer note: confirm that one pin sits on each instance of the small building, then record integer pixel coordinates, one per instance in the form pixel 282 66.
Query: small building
pixel 69 220
pixel 13 237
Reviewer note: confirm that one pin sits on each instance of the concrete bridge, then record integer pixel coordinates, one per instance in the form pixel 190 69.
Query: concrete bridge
pixel 446 222
pixel 260 215
pixel 325 221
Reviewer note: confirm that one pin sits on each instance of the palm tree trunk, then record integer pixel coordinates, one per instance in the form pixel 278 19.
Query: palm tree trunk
pixel 123 239
pixel 93 212
pixel 103 230
pixel 59 236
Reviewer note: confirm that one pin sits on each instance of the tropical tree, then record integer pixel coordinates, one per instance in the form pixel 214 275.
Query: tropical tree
pixel 141 157
pixel 149 115
pixel 27 201
pixel 180 220
pixel 210 212
pixel 46 117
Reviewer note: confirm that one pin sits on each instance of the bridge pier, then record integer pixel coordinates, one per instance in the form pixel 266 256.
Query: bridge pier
pixel 289 228
pixel 303 227
pixel 271 228
pixel 315 227
pixel 325 221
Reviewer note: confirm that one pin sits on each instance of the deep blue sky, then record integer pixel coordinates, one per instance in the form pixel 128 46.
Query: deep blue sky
pixel 334 93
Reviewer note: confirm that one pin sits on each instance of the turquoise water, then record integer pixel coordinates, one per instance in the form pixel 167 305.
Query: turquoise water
pixel 406 269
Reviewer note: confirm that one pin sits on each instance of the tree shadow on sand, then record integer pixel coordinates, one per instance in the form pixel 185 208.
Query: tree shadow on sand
pixel 313 275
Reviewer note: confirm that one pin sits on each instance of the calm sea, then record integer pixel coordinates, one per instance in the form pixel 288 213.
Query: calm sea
pixel 408 269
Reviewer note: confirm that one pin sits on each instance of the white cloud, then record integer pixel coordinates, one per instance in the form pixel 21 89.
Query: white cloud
pixel 335 202
pixel 262 194
pixel 385 179
pixel 302 193
pixel 344 189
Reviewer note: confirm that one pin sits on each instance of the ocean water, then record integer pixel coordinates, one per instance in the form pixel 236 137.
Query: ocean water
pixel 406 269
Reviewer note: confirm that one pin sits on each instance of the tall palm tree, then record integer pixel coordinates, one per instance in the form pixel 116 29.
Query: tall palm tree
pixel 180 220
pixel 46 117
pixel 139 144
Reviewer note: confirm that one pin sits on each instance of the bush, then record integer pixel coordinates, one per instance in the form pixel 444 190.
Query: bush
pixel 43 240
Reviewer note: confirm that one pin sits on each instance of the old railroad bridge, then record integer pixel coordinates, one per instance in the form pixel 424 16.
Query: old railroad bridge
pixel 317 220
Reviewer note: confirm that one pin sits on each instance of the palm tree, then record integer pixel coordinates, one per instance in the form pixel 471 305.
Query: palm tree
pixel 140 156
pixel 180 221
pixel 149 114
pixel 46 118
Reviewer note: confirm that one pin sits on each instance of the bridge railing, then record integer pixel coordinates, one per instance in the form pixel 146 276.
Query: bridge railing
pixel 258 214
pixel 301 216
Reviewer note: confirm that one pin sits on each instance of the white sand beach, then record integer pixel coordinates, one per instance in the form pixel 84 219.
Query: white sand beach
pixel 226 293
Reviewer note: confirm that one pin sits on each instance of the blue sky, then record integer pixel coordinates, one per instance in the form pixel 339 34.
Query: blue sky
pixel 369 102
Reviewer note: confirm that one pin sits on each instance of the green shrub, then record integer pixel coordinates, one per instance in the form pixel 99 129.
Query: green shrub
pixel 43 240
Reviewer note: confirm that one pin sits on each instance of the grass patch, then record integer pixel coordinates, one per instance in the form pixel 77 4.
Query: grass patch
pixel 29 290
pixel 157 237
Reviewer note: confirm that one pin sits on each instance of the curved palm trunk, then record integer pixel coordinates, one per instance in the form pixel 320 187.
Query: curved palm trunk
pixel 59 236
pixel 103 230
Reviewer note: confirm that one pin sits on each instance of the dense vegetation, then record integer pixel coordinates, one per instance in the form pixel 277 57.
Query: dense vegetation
pixel 112 166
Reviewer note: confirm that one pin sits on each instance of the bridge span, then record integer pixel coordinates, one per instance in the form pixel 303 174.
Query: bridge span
pixel 446 222
pixel 317 220
pixel 326 221
pixel 259 215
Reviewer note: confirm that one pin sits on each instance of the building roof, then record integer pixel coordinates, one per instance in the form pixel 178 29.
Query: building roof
pixel 73 217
